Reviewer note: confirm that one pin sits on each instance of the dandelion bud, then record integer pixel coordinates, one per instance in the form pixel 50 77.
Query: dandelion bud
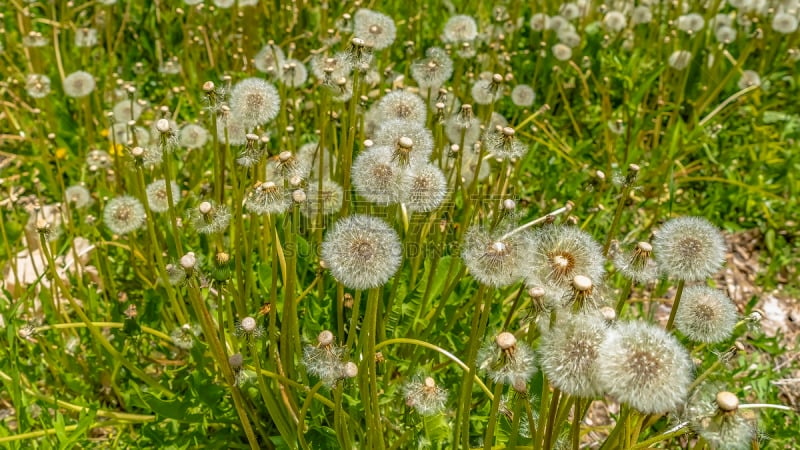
pixel 236 361
pixel 425 396
pixel 714 415
pixel 204 208
pixel 350 370
pixel 299 196
pixel 505 340
pixel 727 401
pixel 325 338
pixel 507 361
pixel 188 261
pixel 509 204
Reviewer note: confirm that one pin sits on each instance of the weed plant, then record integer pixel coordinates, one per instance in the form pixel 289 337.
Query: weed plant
pixel 383 225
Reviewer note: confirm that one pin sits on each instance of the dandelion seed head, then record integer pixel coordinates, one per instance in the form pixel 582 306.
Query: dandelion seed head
pixel 157 195
pixel 254 102
pixel 124 214
pixel 377 30
pixel 37 85
pixel 560 252
pixel 79 84
pixel 427 188
pixel 644 366
pixel 361 251
pixel 460 28
pixel 705 315
pixel 494 261
pixel 689 248
pixel 193 136
pixel 402 105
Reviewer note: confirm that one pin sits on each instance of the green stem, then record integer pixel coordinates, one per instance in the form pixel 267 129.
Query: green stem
pixel 675 305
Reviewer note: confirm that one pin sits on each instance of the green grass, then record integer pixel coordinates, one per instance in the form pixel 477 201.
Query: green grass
pixel 89 359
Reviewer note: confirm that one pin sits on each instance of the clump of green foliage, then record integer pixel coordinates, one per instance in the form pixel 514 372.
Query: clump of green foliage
pixel 428 224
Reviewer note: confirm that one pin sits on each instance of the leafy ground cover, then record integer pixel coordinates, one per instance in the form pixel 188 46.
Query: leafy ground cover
pixel 238 224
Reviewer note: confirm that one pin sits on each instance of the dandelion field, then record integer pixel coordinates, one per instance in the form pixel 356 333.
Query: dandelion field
pixel 390 225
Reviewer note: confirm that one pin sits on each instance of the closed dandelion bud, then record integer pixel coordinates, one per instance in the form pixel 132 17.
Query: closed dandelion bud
pixel 427 188
pixel 236 361
pixel 507 361
pixel 714 415
pixel 644 366
pixel 299 196
pixel 689 248
pixel 569 351
pixel 706 315
pixel 377 177
pixel 249 328
pixel 433 70
pixel 493 259
pixel 192 136
pixel 79 84
pixel 328 200
pixel 638 264
pixel 209 217
pixel 679 59
pixel 362 252
pixel 424 396
pixel 560 252
pixel 124 214
pixel 503 144
pixel 349 370
pixel 78 196
pixel 189 262
pixel 267 198
pixel 460 28
pixel 254 102
pixel 222 268
pixel 401 105
pixel 157 195
pixel 377 30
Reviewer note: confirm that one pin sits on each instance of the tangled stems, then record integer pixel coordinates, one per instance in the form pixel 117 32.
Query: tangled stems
pixel 218 352
pixel 450 356
pixel 98 337
pixel 368 371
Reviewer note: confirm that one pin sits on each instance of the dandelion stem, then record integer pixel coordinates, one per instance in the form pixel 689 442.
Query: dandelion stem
pixel 675 305
pixel 545 218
